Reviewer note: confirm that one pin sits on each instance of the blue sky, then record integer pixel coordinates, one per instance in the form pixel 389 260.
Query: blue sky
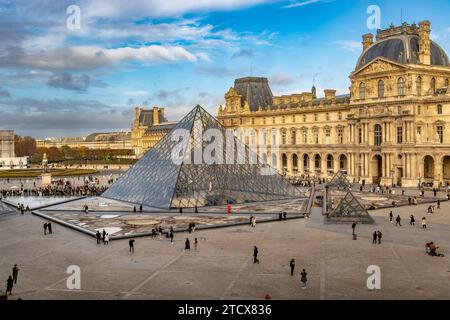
pixel 175 54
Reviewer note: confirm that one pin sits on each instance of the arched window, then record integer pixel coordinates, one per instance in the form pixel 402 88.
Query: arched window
pixel 362 90
pixel 295 162
pixel 377 135
pixel 330 164
pixel 283 137
pixel 419 86
pixel 317 162
pixel 306 162
pixel 433 86
pixel 381 89
pixel 401 87
pixel 439 109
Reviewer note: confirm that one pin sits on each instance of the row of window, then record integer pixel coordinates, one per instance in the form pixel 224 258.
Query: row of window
pixel 294 118
pixel 400 87
pixel 317 162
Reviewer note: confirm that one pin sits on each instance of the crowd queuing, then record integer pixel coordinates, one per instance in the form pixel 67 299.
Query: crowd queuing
pixel 91 187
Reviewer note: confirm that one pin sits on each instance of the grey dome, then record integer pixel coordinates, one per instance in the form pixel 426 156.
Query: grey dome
pixel 402 49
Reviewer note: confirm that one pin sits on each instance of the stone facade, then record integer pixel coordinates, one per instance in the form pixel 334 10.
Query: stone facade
pixel 393 127
pixel 149 126
pixel 7 144
pixel 97 141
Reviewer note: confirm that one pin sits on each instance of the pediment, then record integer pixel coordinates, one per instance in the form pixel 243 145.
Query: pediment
pixel 379 65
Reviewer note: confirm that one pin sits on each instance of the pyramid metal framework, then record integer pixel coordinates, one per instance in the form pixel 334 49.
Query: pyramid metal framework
pixel 349 209
pixel 5 209
pixel 157 181
pixel 339 181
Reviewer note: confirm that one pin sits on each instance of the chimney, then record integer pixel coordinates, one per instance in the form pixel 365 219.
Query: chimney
pixel 155 112
pixel 424 42
pixel 367 41
pixel 330 94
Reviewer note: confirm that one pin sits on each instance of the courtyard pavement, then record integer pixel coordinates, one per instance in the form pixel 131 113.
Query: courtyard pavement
pixel 222 266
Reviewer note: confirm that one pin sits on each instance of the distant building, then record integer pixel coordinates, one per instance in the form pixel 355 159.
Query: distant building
pixel 8 159
pixel 97 141
pixel 148 128
pixel 7 144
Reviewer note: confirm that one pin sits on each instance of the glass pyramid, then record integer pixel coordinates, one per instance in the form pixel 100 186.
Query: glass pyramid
pixel 339 181
pixel 350 209
pixel 156 180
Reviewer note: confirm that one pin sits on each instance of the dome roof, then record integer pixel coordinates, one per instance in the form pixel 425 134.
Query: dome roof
pixel 402 49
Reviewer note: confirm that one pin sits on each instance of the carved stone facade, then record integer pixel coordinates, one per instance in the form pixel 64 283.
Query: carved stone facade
pixel 393 127
pixel 149 126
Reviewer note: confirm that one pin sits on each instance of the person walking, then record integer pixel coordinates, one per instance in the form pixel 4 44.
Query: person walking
pixel 439 204
pixel 45 228
pixel 160 231
pixel 131 244
pixel 195 244
pixel 49 226
pixel 412 220
pixel 187 245
pixel 9 285
pixel 15 273
pixel 140 208
pixel 424 223
pixel 398 221
pixel 98 236
pixel 171 236
pixel 391 217
pixel 103 235
pixel 254 222
pixel 380 235
pixel 106 241
pixel 303 278
pixel 292 265
pixel 375 236
pixel 255 255
pixel 353 228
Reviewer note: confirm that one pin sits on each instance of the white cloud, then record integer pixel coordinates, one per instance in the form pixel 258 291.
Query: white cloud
pixel 91 57
pixel 349 45
pixel 137 93
pixel 303 3
pixel 280 79
pixel 158 8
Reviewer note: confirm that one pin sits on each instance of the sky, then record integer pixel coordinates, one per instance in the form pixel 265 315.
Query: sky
pixel 61 76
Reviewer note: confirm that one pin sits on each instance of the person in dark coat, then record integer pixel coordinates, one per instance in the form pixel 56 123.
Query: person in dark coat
pixel 98 236
pixel 292 265
pixel 353 227
pixel 398 221
pixel 15 273
pixel 391 217
pixel 49 226
pixel 380 235
pixel 284 216
pixel 375 236
pixel 103 235
pixel 171 236
pixel 131 244
pixel 255 255
pixel 9 285
pixel 303 278
pixel 195 209
pixel 280 216
pixel 45 228
pixel 187 245
pixel 140 208
pixel 413 220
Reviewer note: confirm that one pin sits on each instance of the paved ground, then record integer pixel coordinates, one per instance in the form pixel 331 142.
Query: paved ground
pixel 222 266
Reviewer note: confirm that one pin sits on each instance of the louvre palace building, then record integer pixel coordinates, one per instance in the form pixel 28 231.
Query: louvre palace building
pixel 392 128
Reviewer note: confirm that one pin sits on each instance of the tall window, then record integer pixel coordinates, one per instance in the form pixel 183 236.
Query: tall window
pixel 315 117
pixel 283 119
pixel 360 135
pixel 401 87
pixel 274 137
pixel 381 89
pixel 305 136
pixel 419 86
pixel 317 162
pixel 293 137
pixel 340 134
pixel 362 90
pixel 440 132
pixel 377 135
pixel 304 118
pixel 340 115
pixel 253 138
pixel 253 120
pixel 293 119
pixel 330 163
pixel 327 136
pixel 316 136
pixel 283 137
pixel 433 86
pixel 306 162
pixel 419 110
pixel 399 135
pixel 439 109
pixel 328 117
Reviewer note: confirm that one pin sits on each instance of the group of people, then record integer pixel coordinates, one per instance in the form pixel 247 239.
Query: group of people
pixel 104 236
pixel 12 279
pixel 22 208
pixel 252 221
pixel 412 220
pixel 62 189
pixel 377 235
pixel 433 250
pixel 47 228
